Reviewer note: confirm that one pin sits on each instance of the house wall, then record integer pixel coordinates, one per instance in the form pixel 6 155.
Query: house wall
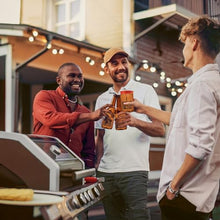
pixel 33 12
pixel 104 22
pixel 196 6
pixel 162 48
pixel 10 11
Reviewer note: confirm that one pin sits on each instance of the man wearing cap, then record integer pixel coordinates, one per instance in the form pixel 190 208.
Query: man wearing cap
pixel 123 155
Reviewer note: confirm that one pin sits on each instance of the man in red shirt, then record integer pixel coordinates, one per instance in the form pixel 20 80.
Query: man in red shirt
pixel 58 113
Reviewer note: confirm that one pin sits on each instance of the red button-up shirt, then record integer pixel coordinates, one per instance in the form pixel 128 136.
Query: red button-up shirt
pixel 52 116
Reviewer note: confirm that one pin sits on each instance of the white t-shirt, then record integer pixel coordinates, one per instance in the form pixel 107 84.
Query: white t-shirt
pixel 127 150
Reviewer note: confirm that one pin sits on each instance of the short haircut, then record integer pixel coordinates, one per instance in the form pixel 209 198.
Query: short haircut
pixel 64 65
pixel 208 32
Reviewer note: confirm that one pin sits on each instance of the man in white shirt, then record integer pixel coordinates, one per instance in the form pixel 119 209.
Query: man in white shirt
pixel 123 155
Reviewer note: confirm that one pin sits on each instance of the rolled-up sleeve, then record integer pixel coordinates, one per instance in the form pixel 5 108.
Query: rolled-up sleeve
pixel 201 118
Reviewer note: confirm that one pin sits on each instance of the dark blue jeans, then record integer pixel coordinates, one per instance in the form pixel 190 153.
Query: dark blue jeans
pixel 181 209
pixel 125 195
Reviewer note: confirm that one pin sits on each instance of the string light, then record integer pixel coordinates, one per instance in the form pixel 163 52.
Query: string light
pixel 173 93
pixel 31 39
pixel 61 51
pixel 103 65
pixel 138 78
pixel 179 90
pixel 35 33
pixel 155 85
pixel 90 61
pixel 162 73
pixel 175 87
pixel 168 85
pixel 153 69
pixel 49 46
pixel 168 79
pixel 178 83
pixel 57 51
pixel 162 79
pixel 145 66
pixel 101 73
pixel 54 51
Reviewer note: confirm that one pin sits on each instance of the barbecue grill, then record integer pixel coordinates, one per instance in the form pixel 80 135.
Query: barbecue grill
pixel 46 165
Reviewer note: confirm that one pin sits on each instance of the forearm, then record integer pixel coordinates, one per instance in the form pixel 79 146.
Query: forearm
pixel 85 117
pixel 160 115
pixel 91 116
pixel 189 166
pixel 154 128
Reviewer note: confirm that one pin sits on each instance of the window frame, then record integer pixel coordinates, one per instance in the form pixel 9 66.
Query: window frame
pixel 80 19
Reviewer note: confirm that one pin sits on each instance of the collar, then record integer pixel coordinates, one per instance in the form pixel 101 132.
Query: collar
pixel 61 93
pixel 65 96
pixel 128 86
pixel 202 71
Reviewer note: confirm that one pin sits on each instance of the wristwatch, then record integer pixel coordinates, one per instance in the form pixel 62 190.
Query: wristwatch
pixel 171 190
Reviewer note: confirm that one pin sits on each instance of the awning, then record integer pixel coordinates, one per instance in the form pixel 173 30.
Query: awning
pixel 173 15
pixel 19 29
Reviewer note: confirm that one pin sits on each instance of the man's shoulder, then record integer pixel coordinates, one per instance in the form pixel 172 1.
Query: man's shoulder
pixel 47 93
pixel 104 94
pixel 43 91
pixel 141 86
pixel 104 98
pixel 136 83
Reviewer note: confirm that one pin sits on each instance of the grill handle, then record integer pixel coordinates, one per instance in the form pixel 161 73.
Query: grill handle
pixel 77 175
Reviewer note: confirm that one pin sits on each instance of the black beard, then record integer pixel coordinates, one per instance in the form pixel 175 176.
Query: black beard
pixel 119 80
pixel 71 92
pixel 115 79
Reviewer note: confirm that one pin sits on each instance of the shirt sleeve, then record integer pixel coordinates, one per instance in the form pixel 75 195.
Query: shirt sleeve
pixel 88 151
pixel 44 111
pixel 201 117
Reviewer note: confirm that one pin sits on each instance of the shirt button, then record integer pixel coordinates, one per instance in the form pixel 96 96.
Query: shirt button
pixel 70 140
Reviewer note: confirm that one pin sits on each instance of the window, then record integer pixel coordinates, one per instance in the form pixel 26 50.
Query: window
pixel 166 2
pixel 214 9
pixel 141 5
pixel 70 18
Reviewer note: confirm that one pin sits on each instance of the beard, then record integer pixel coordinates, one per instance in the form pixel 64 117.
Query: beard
pixel 71 91
pixel 119 79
